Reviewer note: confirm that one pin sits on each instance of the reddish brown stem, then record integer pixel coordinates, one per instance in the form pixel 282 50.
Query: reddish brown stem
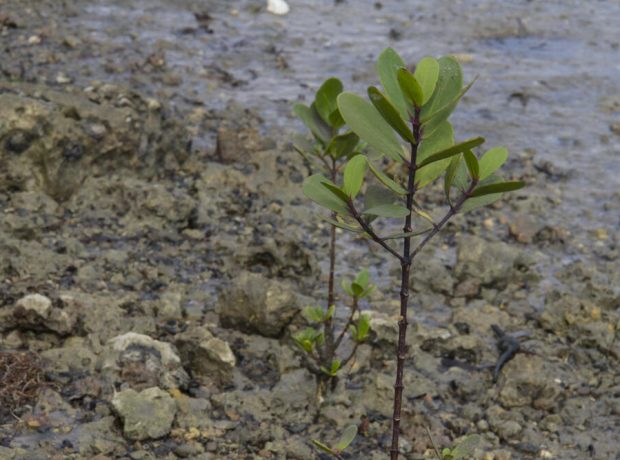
pixel 328 326
pixel 405 264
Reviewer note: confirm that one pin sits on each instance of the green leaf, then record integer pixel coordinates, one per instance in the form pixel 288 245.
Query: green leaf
pixel 368 291
pixel 323 447
pixel 443 113
pixel 410 87
pixel 357 289
pixel 500 187
pixel 472 164
pixel 311 118
pixel 315 189
pixel 330 312
pixel 313 314
pixel 353 175
pixel 466 447
pixel 446 454
pixel 385 180
pixel 346 287
pixel 337 191
pixel 336 120
pixel 365 121
pixel 363 327
pixel 447 87
pixel 342 145
pixel 325 99
pixel 451 151
pixel 333 370
pixel 398 236
pixel 362 278
pixel 426 74
pixel 348 435
pixel 480 201
pixel 450 174
pixel 307 338
pixel 343 225
pixel 441 139
pixel 390 114
pixel 387 210
pixel 388 64
pixel 492 160
pixel 377 196
pixel 461 178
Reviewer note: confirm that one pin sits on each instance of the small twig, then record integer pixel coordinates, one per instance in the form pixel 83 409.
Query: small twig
pixel 451 212
pixel 430 436
pixel 354 308
pixel 371 233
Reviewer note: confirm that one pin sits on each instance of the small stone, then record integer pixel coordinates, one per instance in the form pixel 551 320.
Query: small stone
pixel 36 303
pixel 63 79
pixel 96 130
pixel 153 104
pixel 278 7
pixel 34 39
pixel 255 303
pixel 206 355
pixel 145 415
pixel 601 234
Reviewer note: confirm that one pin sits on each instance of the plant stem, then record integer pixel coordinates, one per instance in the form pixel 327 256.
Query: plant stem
pixel 347 324
pixel 371 233
pixel 404 290
pixel 436 228
pixel 328 325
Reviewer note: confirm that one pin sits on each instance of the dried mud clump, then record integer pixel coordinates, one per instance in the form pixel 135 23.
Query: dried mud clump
pixel 21 379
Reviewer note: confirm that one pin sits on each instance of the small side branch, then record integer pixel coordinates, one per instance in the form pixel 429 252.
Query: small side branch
pixel 371 233
pixel 451 212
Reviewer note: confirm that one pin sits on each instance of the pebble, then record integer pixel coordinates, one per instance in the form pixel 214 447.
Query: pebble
pixel 63 79
pixel 34 39
pixel 278 7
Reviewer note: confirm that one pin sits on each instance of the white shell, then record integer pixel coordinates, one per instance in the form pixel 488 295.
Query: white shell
pixel 279 7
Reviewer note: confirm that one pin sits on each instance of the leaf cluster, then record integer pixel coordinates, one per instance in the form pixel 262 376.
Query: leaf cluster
pixel 413 109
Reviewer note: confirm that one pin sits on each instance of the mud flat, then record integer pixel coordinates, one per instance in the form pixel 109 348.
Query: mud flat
pixel 150 201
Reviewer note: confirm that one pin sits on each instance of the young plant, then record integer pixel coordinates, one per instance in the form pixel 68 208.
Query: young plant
pixel 333 145
pixel 406 125
pixel 345 440
pixel 463 449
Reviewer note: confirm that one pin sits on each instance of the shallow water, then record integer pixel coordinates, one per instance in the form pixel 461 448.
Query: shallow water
pixel 544 69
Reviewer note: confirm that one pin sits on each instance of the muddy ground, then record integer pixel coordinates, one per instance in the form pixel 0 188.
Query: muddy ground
pixel 150 199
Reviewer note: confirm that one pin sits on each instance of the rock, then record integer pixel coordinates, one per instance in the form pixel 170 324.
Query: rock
pixel 54 139
pixel 238 135
pixel 170 305
pixel 205 355
pixel 530 380
pixel 490 262
pixel 39 305
pixel 74 356
pixel 254 303
pixel 434 277
pixel 140 361
pixel 278 7
pixel 35 312
pixel 507 425
pixel 145 415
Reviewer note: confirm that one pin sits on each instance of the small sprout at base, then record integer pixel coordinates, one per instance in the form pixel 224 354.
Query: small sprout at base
pixel 348 436
pixel 316 314
pixel 463 449
pixel 359 331
pixel 308 339
pixel 333 370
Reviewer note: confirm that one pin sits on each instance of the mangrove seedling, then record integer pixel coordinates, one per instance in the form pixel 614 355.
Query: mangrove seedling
pixel 406 124
pixel 333 145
